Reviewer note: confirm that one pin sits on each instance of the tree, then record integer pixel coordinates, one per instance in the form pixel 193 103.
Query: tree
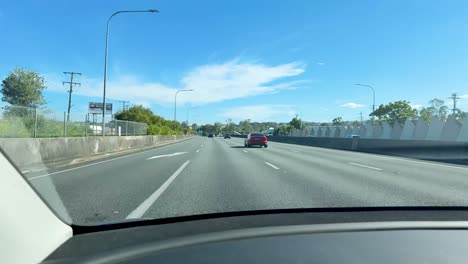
pixel 245 126
pixel 137 113
pixel 207 129
pixel 295 123
pixel 437 109
pixel 356 123
pixel 338 121
pixel 393 112
pixel 156 124
pixel 186 128
pixel 425 114
pixel 459 115
pixel 230 126
pixel 217 127
pixel 284 130
pixel 22 87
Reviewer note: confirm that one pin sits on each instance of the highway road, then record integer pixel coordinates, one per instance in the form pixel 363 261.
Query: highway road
pixel 207 175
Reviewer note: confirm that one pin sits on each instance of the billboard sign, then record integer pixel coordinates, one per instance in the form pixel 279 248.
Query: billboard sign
pixel 96 108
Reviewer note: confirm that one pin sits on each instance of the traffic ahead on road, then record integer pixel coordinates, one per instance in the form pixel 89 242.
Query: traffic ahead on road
pixel 209 175
pixel 121 116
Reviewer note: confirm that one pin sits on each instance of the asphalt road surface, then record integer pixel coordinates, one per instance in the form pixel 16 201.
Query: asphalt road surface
pixel 208 175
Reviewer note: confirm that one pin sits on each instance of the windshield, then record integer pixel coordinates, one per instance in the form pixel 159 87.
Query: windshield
pixel 117 110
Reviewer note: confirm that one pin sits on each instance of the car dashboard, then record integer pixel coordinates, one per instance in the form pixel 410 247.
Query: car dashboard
pixel 389 236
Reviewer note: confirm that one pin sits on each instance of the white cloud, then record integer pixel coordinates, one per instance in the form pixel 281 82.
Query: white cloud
pixel 211 83
pixel 352 105
pixel 260 112
pixel 416 106
pixel 465 96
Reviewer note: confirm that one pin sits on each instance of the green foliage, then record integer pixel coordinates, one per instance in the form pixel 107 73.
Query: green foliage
pixel 156 124
pixel 296 123
pixel 356 123
pixel 285 130
pixel 338 121
pixel 230 127
pixel 22 87
pixel 425 114
pixel 245 126
pixel 459 115
pixel 23 126
pixel 137 114
pixel 393 112
pixel 207 129
pixel 436 109
pixel 217 126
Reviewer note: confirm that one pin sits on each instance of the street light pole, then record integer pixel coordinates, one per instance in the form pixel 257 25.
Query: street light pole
pixel 105 59
pixel 175 102
pixel 373 92
pixel 175 106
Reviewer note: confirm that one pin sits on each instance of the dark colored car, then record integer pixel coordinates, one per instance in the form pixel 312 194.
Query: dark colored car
pixel 227 136
pixel 258 139
pixel 210 135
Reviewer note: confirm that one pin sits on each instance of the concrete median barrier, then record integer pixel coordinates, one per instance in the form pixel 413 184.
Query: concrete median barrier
pixel 27 151
pixel 443 151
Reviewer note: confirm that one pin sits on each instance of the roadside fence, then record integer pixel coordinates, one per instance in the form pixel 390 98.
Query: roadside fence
pixel 37 122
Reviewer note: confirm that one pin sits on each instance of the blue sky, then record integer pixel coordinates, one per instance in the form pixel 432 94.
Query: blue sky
pixel 263 60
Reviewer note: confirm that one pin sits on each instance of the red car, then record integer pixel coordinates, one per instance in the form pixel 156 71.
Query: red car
pixel 256 139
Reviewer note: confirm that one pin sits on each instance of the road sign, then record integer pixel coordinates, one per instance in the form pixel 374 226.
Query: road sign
pixel 96 108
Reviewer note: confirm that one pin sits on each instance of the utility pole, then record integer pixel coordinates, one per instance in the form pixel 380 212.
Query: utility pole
pixel 70 91
pixel 123 104
pixel 301 120
pixel 454 97
pixel 361 117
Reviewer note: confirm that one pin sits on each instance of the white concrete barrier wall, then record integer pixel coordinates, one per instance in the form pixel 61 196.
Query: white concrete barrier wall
pixel 26 151
pixel 451 130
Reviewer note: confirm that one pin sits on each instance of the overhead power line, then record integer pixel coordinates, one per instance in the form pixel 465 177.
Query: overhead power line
pixel 454 97
pixel 70 90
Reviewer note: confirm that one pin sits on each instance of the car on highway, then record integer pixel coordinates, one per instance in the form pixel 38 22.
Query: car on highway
pixel 365 104
pixel 256 139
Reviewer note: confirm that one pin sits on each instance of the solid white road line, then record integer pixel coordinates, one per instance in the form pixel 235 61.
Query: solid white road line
pixel 197 150
pixel 87 165
pixel 423 162
pixel 295 151
pixel 143 207
pixel 245 151
pixel 271 165
pixel 364 166
pixel 377 156
pixel 92 164
pixel 166 155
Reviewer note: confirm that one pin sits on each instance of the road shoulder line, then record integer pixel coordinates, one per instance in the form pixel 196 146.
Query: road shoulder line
pixel 131 154
pixel 364 166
